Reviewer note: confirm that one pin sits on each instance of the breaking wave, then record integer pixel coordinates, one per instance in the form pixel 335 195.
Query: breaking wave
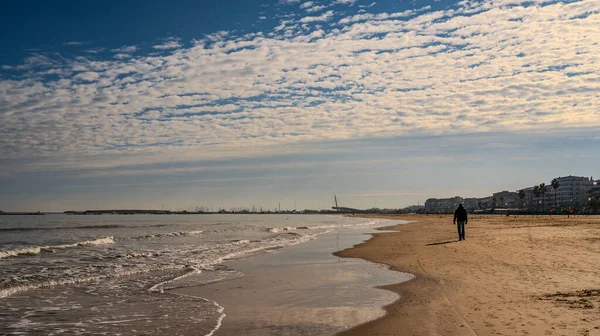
pixel 168 234
pixel 51 248
pixel 324 227
pixel 192 262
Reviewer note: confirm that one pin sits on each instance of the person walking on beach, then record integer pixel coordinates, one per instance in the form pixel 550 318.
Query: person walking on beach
pixel 460 218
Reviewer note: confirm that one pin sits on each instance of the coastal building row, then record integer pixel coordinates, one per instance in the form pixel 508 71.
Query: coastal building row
pixel 572 192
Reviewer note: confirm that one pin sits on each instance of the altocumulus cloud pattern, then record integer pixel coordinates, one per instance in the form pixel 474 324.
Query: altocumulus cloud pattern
pixel 325 71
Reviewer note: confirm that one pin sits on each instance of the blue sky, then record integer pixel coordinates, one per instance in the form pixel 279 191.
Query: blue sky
pixel 251 103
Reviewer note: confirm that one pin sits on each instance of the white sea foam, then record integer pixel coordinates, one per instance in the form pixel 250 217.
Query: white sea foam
pixel 208 259
pixel 235 249
pixel 230 275
pixel 250 247
pixel 133 255
pixel 169 234
pixel 180 257
pixel 156 287
pixel 220 310
pixel 280 229
pixel 39 249
pixel 4 292
pixel 372 222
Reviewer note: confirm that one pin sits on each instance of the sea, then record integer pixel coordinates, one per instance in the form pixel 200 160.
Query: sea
pixel 213 274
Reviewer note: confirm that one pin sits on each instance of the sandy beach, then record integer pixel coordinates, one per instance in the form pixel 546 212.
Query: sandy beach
pixel 517 275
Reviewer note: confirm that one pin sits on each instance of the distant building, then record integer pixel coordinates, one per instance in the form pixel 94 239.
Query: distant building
pixel 484 203
pixel 529 201
pixel 414 208
pixel 533 202
pixel 442 204
pixel 471 203
pixel 573 191
pixel 506 199
pixel 594 191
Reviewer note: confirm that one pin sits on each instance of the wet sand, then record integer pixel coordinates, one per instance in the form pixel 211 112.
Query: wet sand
pixel 299 290
pixel 517 275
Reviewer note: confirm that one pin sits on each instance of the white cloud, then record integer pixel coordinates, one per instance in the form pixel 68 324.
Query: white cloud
pixel 481 67
pixel 324 17
pixel 381 16
pixel 315 9
pixel 87 76
pixel 345 2
pixel 74 43
pixel 170 43
pixel 122 56
pixel 125 49
pixel 307 4
pixel 94 50
pixel 368 6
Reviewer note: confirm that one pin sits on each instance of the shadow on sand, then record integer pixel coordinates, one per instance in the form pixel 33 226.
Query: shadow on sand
pixel 442 243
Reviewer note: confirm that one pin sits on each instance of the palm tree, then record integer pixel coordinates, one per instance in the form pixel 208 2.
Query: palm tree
pixel 521 194
pixel 537 193
pixel 543 192
pixel 555 184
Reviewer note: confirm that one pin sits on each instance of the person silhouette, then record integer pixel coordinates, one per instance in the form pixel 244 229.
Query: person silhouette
pixel 460 219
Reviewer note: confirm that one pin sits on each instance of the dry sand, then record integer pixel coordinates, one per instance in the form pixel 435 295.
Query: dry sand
pixel 517 275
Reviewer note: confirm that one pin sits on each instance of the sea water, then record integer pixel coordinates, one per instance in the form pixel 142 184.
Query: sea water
pixel 128 274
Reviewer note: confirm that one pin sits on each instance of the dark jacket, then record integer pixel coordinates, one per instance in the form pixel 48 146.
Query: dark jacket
pixel 460 215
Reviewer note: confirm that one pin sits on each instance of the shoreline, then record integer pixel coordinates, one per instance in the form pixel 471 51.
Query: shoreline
pixel 299 290
pixel 513 275
pixel 278 280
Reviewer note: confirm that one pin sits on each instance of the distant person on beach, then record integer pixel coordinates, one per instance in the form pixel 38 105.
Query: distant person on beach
pixel 460 218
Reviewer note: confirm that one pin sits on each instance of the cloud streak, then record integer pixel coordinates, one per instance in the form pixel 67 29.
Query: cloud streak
pixel 170 43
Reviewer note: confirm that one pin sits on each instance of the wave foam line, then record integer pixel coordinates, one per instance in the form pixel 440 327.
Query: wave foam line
pixel 220 310
pixel 277 243
pixel 39 249
pixel 331 226
pixel 168 234
pixel 192 270
pixel 204 283
pixel 206 265
pixel 352 225
pixel 5 292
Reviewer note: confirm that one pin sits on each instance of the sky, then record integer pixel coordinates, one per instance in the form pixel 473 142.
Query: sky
pixel 241 103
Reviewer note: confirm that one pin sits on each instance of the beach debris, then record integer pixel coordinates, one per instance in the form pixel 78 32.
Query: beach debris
pixel 583 299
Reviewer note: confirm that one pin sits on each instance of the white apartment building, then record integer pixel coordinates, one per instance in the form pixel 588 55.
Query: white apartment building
pixel 573 191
